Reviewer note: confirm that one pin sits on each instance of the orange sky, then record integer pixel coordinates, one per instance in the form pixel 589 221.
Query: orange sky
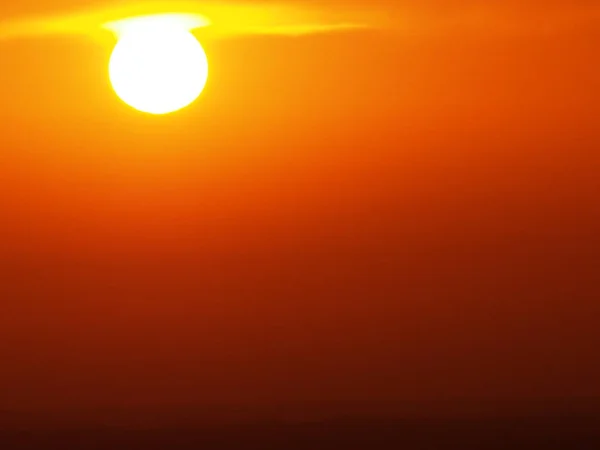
pixel 403 213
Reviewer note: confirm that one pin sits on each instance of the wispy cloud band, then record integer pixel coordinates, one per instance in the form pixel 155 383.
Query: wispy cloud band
pixel 228 18
pixel 220 19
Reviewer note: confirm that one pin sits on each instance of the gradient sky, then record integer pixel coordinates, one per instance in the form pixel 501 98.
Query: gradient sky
pixel 398 214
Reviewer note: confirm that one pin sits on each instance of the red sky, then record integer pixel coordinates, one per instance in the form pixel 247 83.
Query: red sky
pixel 399 214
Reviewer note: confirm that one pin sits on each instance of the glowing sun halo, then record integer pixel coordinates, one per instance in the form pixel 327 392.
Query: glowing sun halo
pixel 158 68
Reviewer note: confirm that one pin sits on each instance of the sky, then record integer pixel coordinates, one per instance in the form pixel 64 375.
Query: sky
pixel 400 213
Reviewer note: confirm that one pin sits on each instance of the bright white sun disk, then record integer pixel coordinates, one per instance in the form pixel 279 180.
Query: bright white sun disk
pixel 157 68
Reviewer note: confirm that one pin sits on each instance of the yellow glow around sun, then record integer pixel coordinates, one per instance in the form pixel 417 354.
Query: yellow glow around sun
pixel 157 65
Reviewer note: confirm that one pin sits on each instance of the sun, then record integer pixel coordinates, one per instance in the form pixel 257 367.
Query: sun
pixel 157 67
